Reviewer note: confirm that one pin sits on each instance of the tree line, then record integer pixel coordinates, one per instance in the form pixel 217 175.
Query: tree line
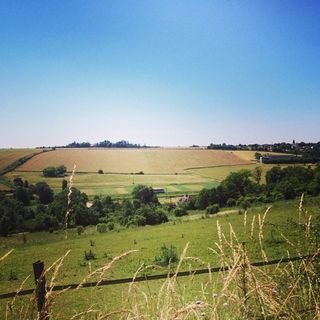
pixel 105 144
pixel 36 207
pixel 243 188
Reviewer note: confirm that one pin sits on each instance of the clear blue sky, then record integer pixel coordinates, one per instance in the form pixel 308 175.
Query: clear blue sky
pixel 159 72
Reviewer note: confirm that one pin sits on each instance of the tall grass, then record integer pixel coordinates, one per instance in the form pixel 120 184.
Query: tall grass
pixel 282 291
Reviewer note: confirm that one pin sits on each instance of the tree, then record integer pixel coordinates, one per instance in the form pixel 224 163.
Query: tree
pixel 21 194
pixel 256 174
pixel 44 192
pixel 144 194
pixel 4 226
pixel 61 170
pixel 274 175
pixel 54 171
pixel 49 172
pixel 64 184
pixel 18 182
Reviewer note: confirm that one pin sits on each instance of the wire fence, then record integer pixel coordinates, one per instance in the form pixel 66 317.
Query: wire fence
pixel 38 273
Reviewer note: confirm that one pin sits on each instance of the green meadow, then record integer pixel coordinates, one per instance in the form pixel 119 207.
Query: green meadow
pixel 199 230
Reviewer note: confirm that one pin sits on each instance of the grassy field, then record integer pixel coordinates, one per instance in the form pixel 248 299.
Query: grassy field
pixel 219 173
pixel 151 161
pixel 122 184
pixel 200 233
pixel 191 181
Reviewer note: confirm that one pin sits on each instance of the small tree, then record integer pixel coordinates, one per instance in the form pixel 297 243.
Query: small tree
pixel 257 172
pixel 179 212
pixel 64 184
pixel 22 195
pixel 61 170
pixel 167 256
pixel 44 192
pixel 102 227
pixel 18 182
pixel 212 209
pixel 49 172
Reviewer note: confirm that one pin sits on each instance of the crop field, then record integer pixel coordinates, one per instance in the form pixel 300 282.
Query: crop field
pixel 200 233
pixel 151 161
pixel 178 171
pixel 7 156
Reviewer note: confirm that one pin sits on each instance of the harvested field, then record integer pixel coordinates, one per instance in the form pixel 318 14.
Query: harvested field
pixel 158 160
pixel 7 156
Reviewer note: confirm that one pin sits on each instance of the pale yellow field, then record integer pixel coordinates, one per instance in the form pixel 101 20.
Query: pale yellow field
pixel 7 156
pixel 158 160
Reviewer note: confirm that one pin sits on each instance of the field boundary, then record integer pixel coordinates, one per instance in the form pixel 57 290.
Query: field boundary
pixel 19 162
pixel 156 276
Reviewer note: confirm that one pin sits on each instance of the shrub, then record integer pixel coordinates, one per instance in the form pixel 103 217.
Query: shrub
pixel 100 171
pixel 80 230
pixel 12 276
pixel 243 203
pixel 231 202
pixel 171 206
pixel 212 209
pixel 89 255
pixel 179 212
pixel 102 227
pixel 110 226
pixel 167 256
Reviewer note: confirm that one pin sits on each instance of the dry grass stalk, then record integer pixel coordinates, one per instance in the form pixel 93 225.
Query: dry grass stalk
pixel 68 212
pixel 102 270
pixel 6 255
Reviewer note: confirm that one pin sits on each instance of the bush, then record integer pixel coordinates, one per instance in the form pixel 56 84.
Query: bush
pixel 102 227
pixel 212 209
pixel 110 226
pixel 244 203
pixel 100 171
pixel 167 256
pixel 80 230
pixel 231 202
pixel 54 171
pixel 12 276
pixel 89 255
pixel 179 212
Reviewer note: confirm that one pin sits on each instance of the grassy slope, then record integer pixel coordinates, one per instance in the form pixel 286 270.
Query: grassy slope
pixel 119 184
pixel 200 233
pixel 219 173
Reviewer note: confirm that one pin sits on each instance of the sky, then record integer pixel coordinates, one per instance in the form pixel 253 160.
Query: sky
pixel 169 72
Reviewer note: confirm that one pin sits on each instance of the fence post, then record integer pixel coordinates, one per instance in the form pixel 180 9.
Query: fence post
pixel 244 280
pixel 40 281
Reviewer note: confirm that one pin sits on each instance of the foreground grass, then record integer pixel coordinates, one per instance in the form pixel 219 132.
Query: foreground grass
pixel 201 234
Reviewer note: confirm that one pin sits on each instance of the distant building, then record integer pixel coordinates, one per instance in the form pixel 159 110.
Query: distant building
pixel 158 190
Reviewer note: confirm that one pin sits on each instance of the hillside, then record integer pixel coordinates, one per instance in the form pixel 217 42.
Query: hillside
pixel 159 160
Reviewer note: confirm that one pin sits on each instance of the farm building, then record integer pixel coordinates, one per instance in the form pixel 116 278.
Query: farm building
pixel 158 190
